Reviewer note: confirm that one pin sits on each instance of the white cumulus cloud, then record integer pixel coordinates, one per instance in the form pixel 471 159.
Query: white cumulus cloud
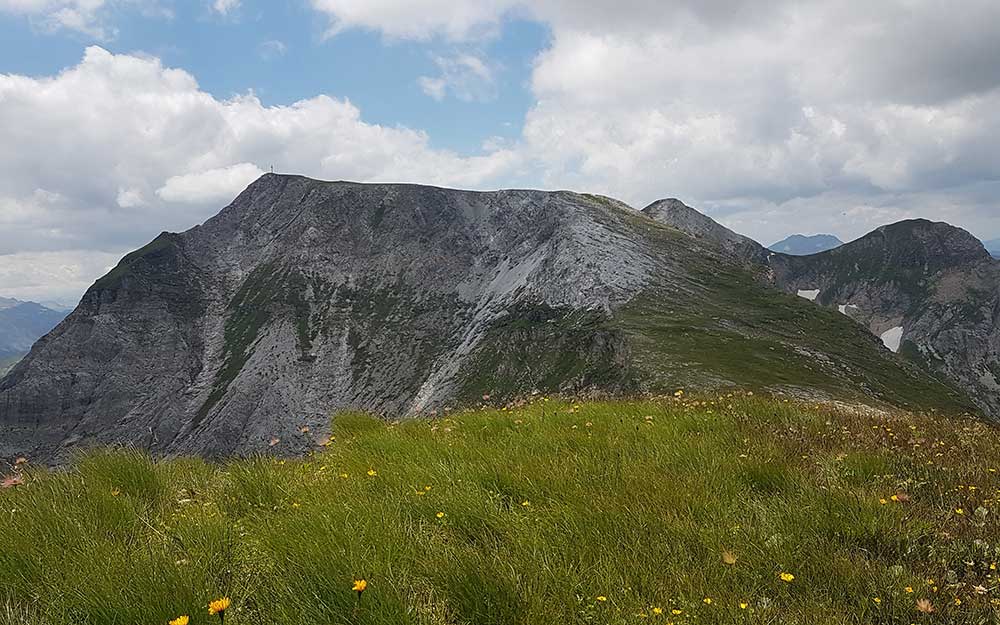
pixel 133 148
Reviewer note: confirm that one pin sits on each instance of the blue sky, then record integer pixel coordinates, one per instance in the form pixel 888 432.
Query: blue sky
pixel 123 118
pixel 280 51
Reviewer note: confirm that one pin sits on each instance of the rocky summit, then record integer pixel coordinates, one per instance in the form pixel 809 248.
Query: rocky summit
pixel 304 298
pixel 928 290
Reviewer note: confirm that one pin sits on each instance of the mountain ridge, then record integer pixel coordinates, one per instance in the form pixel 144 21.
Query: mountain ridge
pixel 303 298
pixel 928 289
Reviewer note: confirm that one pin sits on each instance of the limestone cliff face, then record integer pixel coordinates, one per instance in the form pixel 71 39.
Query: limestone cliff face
pixel 303 298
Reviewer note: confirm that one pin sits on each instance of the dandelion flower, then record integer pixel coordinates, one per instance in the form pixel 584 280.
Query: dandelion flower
pixel 743 605
pixel 372 472
pixel 180 620
pixel 219 606
pixel 360 585
pixel 657 611
pixel 908 589
pixel 601 598
pixel 787 577
pixel 440 515
pixel 959 511
pixel 958 601
pixel 707 600
pixel 677 612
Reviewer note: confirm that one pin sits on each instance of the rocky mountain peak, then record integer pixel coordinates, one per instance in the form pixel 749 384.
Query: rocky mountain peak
pixel 936 245
pixel 679 215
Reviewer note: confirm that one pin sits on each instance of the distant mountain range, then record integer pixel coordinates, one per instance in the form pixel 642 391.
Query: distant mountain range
pixel 801 245
pixel 993 247
pixel 21 324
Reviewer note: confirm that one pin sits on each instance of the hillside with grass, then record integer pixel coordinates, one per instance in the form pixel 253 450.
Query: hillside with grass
pixel 729 508
pixel 304 298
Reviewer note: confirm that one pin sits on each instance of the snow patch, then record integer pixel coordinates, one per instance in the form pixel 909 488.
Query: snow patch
pixel 843 308
pixel 892 338
pixel 810 295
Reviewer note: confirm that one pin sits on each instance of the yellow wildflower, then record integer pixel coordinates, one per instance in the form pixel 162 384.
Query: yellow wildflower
pixel 707 600
pixel 787 577
pixel 909 589
pixel 440 515
pixel 657 611
pixel 360 585
pixel 601 598
pixel 180 620
pixel 743 605
pixel 372 472
pixel 219 606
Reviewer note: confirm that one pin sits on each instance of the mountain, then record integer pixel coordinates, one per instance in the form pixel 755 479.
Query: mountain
pixel 801 245
pixel 929 291
pixel 993 247
pixel 21 324
pixel 686 219
pixel 303 298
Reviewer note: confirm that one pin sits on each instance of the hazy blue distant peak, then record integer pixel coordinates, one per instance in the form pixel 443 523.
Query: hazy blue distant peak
pixel 802 245
pixel 993 247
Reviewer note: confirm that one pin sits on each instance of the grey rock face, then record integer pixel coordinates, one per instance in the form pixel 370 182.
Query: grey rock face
pixel 303 298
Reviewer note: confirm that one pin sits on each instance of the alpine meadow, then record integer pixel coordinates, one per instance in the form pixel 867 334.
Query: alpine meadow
pixel 451 312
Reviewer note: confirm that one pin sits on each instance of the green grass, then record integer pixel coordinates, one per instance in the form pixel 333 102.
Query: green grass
pixel 546 507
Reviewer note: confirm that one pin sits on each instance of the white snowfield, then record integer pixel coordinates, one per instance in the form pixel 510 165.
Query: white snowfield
pixel 844 307
pixel 810 295
pixel 892 338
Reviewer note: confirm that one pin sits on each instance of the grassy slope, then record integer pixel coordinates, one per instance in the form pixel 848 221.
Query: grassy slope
pixel 717 327
pixel 546 508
